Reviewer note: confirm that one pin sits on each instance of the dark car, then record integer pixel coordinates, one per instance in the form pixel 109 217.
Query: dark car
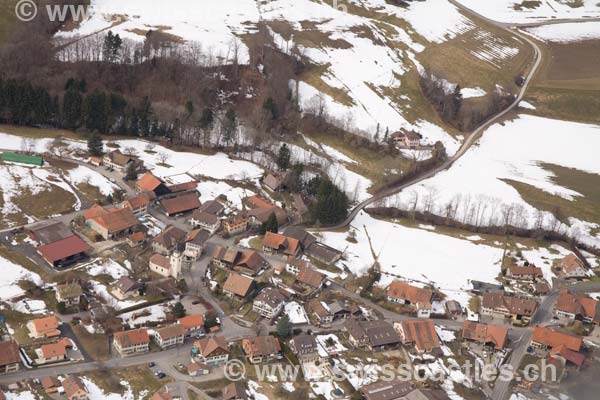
pixel 151 364
pixel 161 375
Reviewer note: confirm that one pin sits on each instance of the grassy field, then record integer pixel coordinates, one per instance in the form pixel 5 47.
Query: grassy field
pixel 567 85
pixel 141 379
pixel 585 207
pixel 7 17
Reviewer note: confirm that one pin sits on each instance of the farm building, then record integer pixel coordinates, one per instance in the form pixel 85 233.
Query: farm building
pixel 22 159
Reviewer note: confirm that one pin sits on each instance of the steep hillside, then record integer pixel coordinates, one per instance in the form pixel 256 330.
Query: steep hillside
pixel 364 57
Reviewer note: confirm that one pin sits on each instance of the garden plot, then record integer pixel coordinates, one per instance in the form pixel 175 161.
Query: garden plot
pixel 520 11
pixel 155 313
pixel 481 187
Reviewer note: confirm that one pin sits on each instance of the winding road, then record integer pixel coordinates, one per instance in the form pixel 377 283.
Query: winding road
pixel 471 138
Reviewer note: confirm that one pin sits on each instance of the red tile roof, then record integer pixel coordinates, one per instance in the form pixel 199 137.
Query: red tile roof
pixel 112 219
pixel 422 333
pixel 148 182
pixel 132 338
pixel 9 353
pixel 183 203
pixel 484 333
pixel 64 248
pixel 282 243
pixel 550 338
pixel 402 290
pixel 191 321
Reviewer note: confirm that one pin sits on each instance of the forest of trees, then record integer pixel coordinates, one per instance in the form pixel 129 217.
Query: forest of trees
pixel 452 108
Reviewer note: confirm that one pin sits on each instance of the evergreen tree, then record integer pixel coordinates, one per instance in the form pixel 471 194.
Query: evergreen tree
pixel 270 225
pixel 96 111
pixel 178 310
pixel 145 117
pixel 229 126
pixel 132 173
pixel 94 144
pixel 111 47
pixel 283 157
pixel 331 205
pixel 72 103
pixel 283 326
pixel 271 108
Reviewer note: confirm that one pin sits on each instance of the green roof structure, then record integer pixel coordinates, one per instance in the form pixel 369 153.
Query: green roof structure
pixel 22 159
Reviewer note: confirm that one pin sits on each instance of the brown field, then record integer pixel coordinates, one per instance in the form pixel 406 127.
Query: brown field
pixel 567 86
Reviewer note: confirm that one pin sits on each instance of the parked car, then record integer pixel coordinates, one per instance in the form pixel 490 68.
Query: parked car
pixel 161 375
pixel 151 364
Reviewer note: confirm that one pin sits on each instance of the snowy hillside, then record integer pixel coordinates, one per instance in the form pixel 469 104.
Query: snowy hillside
pixel 519 11
pixel 361 50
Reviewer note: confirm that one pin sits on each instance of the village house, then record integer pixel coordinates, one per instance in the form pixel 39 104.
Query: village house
pixel 410 139
pixel 579 307
pixel 169 336
pixel 235 391
pixel 418 332
pixel 320 312
pixel 258 216
pixel 558 345
pixel 528 273
pixel 150 183
pixel 212 207
pixel 170 266
pixel 276 243
pixel 262 349
pixel 235 225
pixel 571 267
pixel 488 335
pixel 51 384
pixel 120 162
pixel 204 220
pixel 69 294
pixel 64 252
pixel 305 348
pixel 323 253
pixel 375 335
pixel 96 161
pixel 546 338
pixel 138 204
pixel 43 327
pixel 10 360
pixel 211 351
pixel 310 279
pixel 399 390
pixel 131 342
pixel 500 305
pixel 125 287
pixel 193 324
pixel 170 239
pixel 180 204
pixel 249 262
pixel 295 265
pixel 74 388
pixel 53 352
pixel 110 222
pixel 136 239
pixel 238 286
pixel 194 243
pixel 195 369
pixel 269 303
pixel 479 288
pixel 305 238
pixel 403 293
pixel 272 183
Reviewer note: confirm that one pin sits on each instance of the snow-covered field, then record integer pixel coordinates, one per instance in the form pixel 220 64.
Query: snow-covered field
pixel 212 24
pixel 105 267
pixel 83 174
pixel 510 10
pixel 11 275
pixel 418 255
pixel 568 32
pixel 473 191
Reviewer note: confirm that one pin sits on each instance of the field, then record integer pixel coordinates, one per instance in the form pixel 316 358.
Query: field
pixel 567 85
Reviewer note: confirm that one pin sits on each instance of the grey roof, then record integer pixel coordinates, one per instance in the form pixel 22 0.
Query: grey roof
pixel 271 296
pixel 304 344
pixel 323 252
pixel 50 232
pixel 305 238
pixel 212 207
